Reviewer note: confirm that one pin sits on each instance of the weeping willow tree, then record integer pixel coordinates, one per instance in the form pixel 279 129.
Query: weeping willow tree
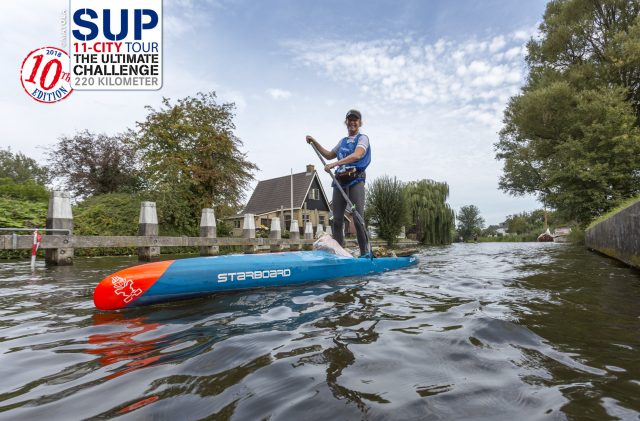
pixel 386 207
pixel 431 217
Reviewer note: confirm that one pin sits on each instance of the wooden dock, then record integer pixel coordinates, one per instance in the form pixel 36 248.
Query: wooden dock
pixel 59 248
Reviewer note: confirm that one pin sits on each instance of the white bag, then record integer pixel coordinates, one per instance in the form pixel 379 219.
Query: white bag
pixel 327 243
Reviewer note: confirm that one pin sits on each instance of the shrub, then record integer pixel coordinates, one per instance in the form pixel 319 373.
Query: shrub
pixel 387 207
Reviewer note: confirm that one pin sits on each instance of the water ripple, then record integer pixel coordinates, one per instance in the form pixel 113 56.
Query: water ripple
pixel 497 331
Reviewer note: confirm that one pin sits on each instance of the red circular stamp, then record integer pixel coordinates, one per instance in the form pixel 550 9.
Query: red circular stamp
pixel 45 74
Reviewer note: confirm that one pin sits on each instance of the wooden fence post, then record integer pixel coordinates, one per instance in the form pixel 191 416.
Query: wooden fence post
pixel 208 229
pixel 148 227
pixel 249 231
pixel 59 216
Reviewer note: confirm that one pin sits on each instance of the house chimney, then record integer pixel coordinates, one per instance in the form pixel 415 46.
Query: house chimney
pixel 310 168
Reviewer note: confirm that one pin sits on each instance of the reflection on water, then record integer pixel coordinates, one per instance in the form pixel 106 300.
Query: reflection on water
pixel 499 331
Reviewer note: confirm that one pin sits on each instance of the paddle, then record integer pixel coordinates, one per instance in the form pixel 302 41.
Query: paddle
pixel 354 211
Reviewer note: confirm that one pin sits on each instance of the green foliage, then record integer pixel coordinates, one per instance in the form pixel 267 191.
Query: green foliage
pixel 90 164
pixel 522 238
pixel 21 169
pixel 491 230
pixel 470 223
pixel 107 214
pixel 623 205
pixel 16 213
pixel 118 214
pixel 590 44
pixel 191 155
pixel 22 205
pixel 387 207
pixel 224 229
pixel 571 137
pixel 262 231
pixel 27 190
pixel 431 218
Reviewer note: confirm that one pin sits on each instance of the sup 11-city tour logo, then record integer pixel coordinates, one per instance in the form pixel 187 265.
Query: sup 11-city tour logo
pixel 116 44
pixel 113 45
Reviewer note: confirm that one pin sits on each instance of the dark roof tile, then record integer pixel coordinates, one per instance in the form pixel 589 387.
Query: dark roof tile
pixel 270 195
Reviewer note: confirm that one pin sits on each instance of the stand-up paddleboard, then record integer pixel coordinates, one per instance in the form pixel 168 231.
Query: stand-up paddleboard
pixel 187 278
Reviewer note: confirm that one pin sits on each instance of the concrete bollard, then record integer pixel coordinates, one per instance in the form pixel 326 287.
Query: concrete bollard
pixel 308 233
pixel 208 229
pixel 148 227
pixel 249 231
pixel 319 231
pixel 275 234
pixel 294 234
pixel 59 216
pixel 329 230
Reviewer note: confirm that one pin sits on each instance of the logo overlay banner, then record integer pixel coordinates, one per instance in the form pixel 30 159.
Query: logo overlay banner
pixel 115 44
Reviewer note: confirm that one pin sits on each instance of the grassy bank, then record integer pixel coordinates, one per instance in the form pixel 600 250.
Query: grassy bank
pixel 615 210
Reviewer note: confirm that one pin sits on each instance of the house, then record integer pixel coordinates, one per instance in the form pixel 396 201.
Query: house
pixel 502 229
pixel 273 199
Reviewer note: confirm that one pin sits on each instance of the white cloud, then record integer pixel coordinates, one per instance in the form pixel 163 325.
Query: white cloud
pixel 407 70
pixel 278 93
pixel 497 44
pixel 433 109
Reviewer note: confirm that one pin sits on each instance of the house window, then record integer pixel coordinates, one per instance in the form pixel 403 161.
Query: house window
pixel 305 218
pixel 236 223
pixel 322 219
pixel 314 194
pixel 265 222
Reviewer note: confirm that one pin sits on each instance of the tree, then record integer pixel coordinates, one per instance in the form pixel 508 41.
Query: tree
pixel 386 207
pixel 470 223
pixel 190 153
pixel 589 43
pixel 431 218
pixel 88 164
pixel 490 231
pixel 20 168
pixel 518 224
pixel 571 137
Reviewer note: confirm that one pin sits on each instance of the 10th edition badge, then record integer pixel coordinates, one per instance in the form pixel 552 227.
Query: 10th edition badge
pixel 45 74
pixel 115 44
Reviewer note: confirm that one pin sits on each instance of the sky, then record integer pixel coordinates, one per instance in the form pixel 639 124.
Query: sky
pixel 431 78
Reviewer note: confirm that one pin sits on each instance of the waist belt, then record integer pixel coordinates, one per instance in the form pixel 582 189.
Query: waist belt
pixel 350 177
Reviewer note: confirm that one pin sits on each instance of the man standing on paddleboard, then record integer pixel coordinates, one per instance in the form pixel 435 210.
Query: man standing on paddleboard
pixel 354 156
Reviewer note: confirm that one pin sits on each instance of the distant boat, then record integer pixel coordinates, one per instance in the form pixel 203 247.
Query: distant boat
pixel 561 235
pixel 545 237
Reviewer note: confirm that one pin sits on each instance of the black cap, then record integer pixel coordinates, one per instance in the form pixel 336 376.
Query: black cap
pixel 354 113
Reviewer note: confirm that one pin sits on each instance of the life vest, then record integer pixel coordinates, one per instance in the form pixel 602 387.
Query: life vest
pixel 347 148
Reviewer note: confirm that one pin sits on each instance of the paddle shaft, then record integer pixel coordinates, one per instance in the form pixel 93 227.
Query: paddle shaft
pixel 354 211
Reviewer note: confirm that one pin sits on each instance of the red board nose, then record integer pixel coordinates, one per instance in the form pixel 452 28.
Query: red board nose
pixel 125 286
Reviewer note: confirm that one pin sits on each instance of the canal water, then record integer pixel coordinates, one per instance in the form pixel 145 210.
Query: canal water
pixel 505 331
